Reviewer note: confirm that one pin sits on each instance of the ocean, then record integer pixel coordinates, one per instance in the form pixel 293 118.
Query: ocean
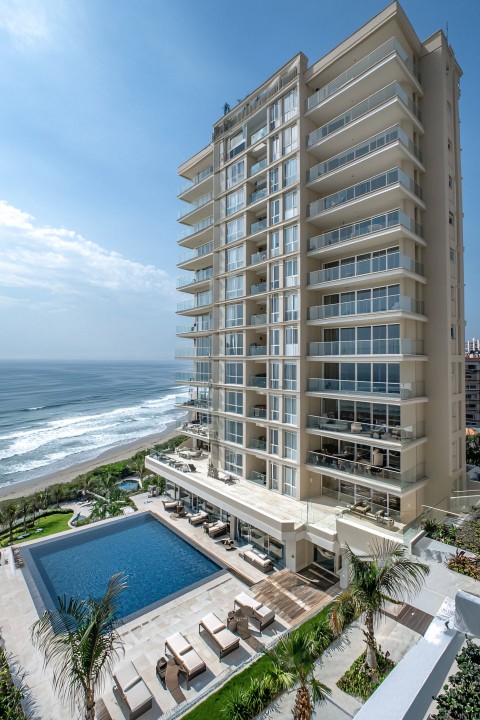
pixel 54 415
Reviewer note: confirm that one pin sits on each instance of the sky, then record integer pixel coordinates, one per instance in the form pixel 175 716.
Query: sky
pixel 101 100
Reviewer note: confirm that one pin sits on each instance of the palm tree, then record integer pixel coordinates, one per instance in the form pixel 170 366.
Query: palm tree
pixel 106 485
pixel 56 494
pixel 386 575
pixel 137 464
pixel 36 504
pixel 9 513
pixel 86 482
pixel 81 642
pixel 25 507
pixel 292 662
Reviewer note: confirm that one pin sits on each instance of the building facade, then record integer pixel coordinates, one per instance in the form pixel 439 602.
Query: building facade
pixel 472 390
pixel 323 259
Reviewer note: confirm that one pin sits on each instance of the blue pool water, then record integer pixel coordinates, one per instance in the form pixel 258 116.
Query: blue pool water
pixel 128 486
pixel 156 560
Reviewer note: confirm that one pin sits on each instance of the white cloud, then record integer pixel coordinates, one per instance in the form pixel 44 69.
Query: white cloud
pixel 62 263
pixel 25 21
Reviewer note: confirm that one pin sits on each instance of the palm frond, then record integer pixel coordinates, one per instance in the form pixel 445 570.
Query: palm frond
pixel 320 692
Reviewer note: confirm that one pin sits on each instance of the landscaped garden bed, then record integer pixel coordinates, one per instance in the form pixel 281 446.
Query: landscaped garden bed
pixel 361 682
pixel 465 538
pixel 460 699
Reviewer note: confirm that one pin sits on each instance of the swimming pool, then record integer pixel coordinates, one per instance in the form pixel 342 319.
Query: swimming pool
pixel 158 562
pixel 129 485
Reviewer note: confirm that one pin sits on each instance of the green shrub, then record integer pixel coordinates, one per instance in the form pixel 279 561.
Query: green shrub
pixel 460 699
pixel 358 680
pixel 11 695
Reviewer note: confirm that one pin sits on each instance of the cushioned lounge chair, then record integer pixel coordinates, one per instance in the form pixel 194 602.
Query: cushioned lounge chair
pixel 198 518
pixel 135 694
pixel 218 529
pixel 188 659
pixel 225 640
pixel 255 610
pixel 170 504
pixel 262 562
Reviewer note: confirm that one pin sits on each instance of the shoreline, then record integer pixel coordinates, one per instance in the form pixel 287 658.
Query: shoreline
pixel 115 454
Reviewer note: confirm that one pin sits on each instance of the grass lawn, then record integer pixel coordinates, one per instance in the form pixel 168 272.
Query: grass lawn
pixel 51 524
pixel 210 708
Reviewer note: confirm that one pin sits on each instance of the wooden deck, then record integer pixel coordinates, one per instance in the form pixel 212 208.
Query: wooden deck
pixel 291 596
pixel 413 618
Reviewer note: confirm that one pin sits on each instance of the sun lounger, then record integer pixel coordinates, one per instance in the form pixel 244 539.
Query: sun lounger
pixel 170 504
pixel 188 659
pixel 218 631
pixel 218 529
pixel 132 689
pixel 255 609
pixel 262 562
pixel 198 518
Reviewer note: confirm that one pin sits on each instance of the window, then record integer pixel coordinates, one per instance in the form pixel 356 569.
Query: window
pixel 235 201
pixel 289 410
pixel 204 322
pixel 274 244
pixel 203 371
pixel 235 173
pixel 290 172
pixel 204 298
pixel 235 258
pixel 452 256
pixel 290 376
pixel 290 205
pixel 450 218
pixel 234 344
pixel 234 431
pixel 289 137
pixel 204 346
pixel 290 239
pixel 274 212
pixel 274 342
pixel 274 477
pixel 452 332
pixel 275 148
pixel 236 144
pixel 274 180
pixel 289 481
pixel 275 308
pixel 274 375
pixel 275 408
pixel 291 341
pixel 450 182
pixel 291 272
pixel 234 462
pixel 274 276
pixel 234 373
pixel 290 105
pixel 234 287
pixel 235 229
pixel 291 306
pixel 274 447
pixel 234 402
pixel 234 315
pixel 274 115
pixel 290 445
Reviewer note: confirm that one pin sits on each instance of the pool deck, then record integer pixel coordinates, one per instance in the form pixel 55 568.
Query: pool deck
pixel 144 636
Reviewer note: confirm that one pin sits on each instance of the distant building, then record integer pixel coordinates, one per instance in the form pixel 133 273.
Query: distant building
pixel 472 346
pixel 472 388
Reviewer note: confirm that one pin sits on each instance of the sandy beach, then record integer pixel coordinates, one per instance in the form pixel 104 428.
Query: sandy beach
pixel 27 487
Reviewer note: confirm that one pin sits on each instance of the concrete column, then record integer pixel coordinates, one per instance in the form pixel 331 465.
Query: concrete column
pixel 233 527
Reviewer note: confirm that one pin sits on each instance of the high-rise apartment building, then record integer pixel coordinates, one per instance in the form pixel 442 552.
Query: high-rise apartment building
pixel 323 260
pixel 472 390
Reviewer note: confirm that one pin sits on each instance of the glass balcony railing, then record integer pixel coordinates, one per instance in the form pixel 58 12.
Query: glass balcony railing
pixel 204 249
pixel 191 304
pixel 185 352
pixel 391 177
pixel 258 445
pixel 258 135
pixel 258 381
pixel 370 305
pixel 195 205
pixel 200 177
pixel 394 90
pixel 202 225
pixel 364 227
pixel 377 431
pixel 257 226
pixel 380 263
pixel 257 349
pixel 193 403
pixel 363 149
pixel 260 287
pixel 404 391
pixel 200 276
pixel 258 412
pixel 360 67
pixel 259 319
pixel 341 463
pixel 258 257
pixel 192 376
pixel 392 346
pixel 258 195
pixel 194 327
pixel 258 166
pixel 186 305
pixel 256 477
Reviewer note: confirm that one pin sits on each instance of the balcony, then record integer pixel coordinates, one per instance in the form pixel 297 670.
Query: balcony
pixel 189 306
pixel 258 257
pixel 258 381
pixel 258 135
pixel 258 166
pixel 258 288
pixel 378 56
pixel 339 165
pixel 401 391
pixel 365 347
pixel 390 303
pixel 255 350
pixel 195 256
pixel 185 352
pixel 381 182
pixel 379 431
pixel 259 319
pixel 258 444
pixel 378 224
pixel 193 328
pixel 186 376
pixel 379 264
pixel 193 403
pixel 199 178
pixel 368 471
pixel 259 412
pixel 256 477
pixel 196 205
pixel 258 226
pixel 326 135
pixel 195 229
pixel 199 277
pixel 258 195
